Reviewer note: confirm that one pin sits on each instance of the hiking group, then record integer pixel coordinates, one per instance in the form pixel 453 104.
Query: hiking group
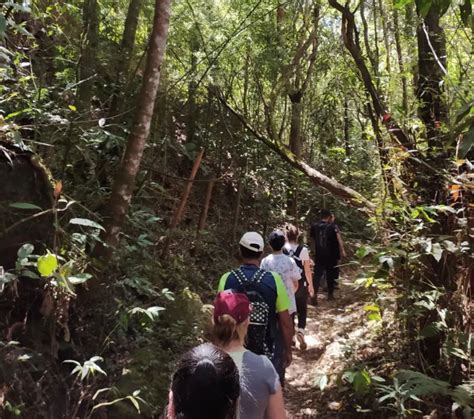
pixel 242 374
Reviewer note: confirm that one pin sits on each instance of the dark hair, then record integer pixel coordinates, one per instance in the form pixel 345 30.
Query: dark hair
pixel 277 242
pixel 292 232
pixel 249 254
pixel 205 384
pixel 325 213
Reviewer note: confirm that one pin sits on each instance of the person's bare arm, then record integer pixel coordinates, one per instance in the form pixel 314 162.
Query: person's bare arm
pixel 287 330
pixel 341 244
pixel 309 276
pixel 276 406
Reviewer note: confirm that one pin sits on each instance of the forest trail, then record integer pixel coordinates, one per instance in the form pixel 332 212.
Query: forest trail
pixel 336 332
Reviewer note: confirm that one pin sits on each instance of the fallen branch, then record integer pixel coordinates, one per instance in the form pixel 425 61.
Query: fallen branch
pixel 353 197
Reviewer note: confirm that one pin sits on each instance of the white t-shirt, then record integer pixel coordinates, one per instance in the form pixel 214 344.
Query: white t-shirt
pixel 304 255
pixel 289 272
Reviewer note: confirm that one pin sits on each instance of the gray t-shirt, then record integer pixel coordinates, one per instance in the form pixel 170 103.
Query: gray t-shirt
pixel 258 380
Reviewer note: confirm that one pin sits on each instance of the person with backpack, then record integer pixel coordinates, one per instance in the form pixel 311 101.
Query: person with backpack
pixel 300 255
pixel 327 252
pixel 342 251
pixel 269 300
pixel 286 267
pixel 261 394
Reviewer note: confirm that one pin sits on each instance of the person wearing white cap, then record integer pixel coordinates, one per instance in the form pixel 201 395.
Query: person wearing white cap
pixel 268 297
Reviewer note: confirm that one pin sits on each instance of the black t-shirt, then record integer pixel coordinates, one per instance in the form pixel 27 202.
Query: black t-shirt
pixel 325 239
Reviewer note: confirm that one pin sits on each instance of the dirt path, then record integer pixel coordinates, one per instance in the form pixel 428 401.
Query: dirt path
pixel 335 331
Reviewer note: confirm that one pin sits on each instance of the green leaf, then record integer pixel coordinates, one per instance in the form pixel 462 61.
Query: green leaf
pixel 361 382
pixel 466 143
pixel 79 278
pixel 401 4
pixel 321 381
pixel 47 264
pixel 72 108
pixel 17 113
pixel 372 307
pixel 29 274
pixel 25 250
pixel 374 316
pixel 423 6
pixel 25 205
pixel 466 109
pixel 86 223
pixel 437 251
pixel 3 25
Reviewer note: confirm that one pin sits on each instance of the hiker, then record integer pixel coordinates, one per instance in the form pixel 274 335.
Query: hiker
pixel 342 251
pixel 286 267
pixel 261 394
pixel 327 253
pixel 300 255
pixel 205 385
pixel 269 300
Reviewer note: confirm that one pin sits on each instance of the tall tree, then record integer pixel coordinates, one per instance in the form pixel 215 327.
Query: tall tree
pixel 125 52
pixel 431 69
pixel 87 61
pixel 124 183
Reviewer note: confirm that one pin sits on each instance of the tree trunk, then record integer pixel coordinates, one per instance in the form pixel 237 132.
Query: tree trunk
pixel 376 34
pixel 126 52
pixel 431 65
pixel 383 16
pixel 401 64
pixel 192 87
pixel 368 50
pixel 122 189
pixel 295 127
pixel 347 128
pixel 295 147
pixel 87 62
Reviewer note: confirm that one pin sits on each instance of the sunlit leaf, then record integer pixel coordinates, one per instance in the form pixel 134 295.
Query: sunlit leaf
pixel 25 205
pixel 79 278
pixel 47 264
pixel 85 223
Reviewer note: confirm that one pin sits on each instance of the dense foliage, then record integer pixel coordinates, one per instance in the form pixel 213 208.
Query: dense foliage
pixel 365 107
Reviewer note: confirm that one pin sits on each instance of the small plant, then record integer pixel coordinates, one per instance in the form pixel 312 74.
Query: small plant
pixel 89 368
pixel 412 386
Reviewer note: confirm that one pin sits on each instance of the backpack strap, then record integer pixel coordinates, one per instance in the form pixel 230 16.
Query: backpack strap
pixel 298 251
pixel 241 278
pixel 258 276
pixel 255 279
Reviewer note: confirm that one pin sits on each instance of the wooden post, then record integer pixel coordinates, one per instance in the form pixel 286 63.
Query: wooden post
pixel 182 205
pixel 178 214
pixel 207 202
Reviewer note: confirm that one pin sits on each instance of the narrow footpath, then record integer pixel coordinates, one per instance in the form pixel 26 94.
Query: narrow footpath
pixel 337 334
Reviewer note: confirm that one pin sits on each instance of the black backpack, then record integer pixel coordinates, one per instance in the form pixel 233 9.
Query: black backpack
pixel 321 239
pixel 295 255
pixel 257 335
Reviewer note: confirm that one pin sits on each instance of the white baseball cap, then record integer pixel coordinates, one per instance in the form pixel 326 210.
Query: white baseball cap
pixel 252 241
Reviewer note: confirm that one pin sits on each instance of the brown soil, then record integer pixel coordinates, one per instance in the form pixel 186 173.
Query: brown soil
pixel 337 333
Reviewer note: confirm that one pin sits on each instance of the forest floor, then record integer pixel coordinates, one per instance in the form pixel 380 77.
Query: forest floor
pixel 337 334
